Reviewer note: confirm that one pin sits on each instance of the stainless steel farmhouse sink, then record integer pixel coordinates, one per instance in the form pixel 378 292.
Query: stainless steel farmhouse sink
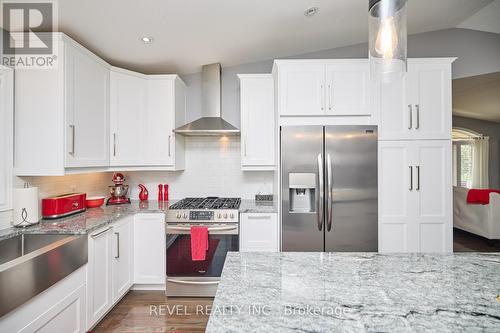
pixel 31 263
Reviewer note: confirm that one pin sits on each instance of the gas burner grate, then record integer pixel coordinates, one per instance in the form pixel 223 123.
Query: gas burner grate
pixel 207 203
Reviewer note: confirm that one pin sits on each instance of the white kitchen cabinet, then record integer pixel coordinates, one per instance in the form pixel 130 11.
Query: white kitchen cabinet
pixel 145 109
pixel 333 87
pixel 259 232
pixel 62 114
pixel 99 275
pixel 418 105
pixel 123 255
pixel 415 196
pixel 257 122
pixel 6 136
pixel 61 308
pixel 149 250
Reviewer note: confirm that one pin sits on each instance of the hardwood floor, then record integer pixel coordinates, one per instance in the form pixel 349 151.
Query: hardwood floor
pixel 466 242
pixel 152 311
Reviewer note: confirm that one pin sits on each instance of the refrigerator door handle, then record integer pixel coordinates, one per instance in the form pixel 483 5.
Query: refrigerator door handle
pixel 329 188
pixel 320 198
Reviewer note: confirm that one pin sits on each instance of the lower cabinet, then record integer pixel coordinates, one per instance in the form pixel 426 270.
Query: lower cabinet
pixel 61 308
pixel 110 266
pixel 149 250
pixel 259 232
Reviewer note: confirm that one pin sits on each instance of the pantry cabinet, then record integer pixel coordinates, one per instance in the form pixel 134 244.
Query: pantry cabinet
pixel 145 109
pixel 258 149
pixel 333 87
pixel 259 232
pixel 418 105
pixel 415 196
pixel 62 113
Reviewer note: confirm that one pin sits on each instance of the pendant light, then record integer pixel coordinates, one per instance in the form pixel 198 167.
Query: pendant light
pixel 387 38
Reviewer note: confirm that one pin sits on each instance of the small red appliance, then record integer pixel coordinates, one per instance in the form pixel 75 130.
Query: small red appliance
pixel 63 205
pixel 118 191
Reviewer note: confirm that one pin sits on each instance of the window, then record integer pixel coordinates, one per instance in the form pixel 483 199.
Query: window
pixel 470 159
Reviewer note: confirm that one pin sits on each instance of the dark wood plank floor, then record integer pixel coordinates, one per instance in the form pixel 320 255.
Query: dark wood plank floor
pixel 466 242
pixel 152 311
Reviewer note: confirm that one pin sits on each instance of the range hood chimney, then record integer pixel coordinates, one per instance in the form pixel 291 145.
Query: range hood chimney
pixel 211 122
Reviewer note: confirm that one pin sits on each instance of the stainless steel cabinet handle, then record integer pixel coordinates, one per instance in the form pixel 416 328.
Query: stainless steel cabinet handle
pixel 192 282
pixel 245 145
pixel 329 188
pixel 100 233
pixel 117 234
pixel 169 149
pixel 320 198
pixel 209 229
pixel 411 178
pixel 72 152
pixel 417 106
pixel 322 97
pixel 418 177
pixel 410 126
pixel 114 144
pixel 330 93
pixel 260 217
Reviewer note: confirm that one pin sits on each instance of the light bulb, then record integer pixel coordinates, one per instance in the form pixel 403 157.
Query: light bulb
pixel 387 38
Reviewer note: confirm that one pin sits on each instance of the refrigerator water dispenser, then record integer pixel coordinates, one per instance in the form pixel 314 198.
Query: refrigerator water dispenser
pixel 302 192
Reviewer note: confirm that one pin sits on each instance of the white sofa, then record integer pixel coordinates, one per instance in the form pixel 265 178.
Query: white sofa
pixel 482 220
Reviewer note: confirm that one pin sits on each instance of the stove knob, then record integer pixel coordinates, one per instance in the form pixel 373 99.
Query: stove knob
pixel 185 215
pixel 219 215
pixel 232 215
pixel 178 215
pixel 225 215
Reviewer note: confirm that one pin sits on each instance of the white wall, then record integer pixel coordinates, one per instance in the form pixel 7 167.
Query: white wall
pixel 212 169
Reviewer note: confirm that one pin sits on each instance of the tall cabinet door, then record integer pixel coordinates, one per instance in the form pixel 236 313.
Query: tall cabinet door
pixel 128 104
pixel 433 189
pixel 430 100
pixel 396 200
pixel 348 88
pixel 87 110
pixel 395 112
pixel 302 89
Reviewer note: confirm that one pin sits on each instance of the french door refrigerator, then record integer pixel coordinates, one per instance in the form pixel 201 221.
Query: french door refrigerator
pixel 329 188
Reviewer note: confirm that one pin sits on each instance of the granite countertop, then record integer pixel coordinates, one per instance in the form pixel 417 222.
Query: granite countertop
pixel 88 221
pixel 252 206
pixel 357 292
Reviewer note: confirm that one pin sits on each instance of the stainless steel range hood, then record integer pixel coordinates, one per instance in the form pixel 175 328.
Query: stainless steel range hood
pixel 211 122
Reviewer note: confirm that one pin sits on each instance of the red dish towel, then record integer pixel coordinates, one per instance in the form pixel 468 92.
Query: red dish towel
pixel 476 196
pixel 199 243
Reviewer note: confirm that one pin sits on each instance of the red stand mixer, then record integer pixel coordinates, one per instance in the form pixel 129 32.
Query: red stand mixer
pixel 118 191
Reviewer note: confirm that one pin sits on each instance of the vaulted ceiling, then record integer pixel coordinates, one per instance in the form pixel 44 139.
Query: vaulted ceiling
pixel 190 33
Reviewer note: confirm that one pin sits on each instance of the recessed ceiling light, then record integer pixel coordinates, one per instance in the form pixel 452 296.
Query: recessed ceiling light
pixel 311 11
pixel 147 39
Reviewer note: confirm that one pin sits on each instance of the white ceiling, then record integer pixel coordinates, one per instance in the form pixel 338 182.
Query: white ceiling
pixel 477 97
pixel 486 19
pixel 190 33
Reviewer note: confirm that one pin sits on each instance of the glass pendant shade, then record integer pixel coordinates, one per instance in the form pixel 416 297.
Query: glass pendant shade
pixel 387 38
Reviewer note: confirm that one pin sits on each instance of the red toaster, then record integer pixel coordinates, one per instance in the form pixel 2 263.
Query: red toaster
pixel 63 205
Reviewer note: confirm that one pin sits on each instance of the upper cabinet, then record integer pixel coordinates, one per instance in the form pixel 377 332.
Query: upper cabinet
pixel 418 105
pixel 62 114
pixel 257 122
pixel 324 87
pixel 6 136
pixel 145 109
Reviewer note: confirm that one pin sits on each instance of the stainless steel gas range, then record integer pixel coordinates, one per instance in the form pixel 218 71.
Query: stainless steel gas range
pixel 186 277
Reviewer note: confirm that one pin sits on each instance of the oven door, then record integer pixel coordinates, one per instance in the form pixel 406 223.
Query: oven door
pixel 186 277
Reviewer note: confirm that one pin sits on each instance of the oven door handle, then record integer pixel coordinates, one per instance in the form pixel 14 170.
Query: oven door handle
pixel 192 282
pixel 209 229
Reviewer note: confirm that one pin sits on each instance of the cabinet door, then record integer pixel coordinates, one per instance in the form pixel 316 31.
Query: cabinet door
pixel 257 123
pixel 302 89
pixel 6 137
pixel 395 200
pixel 149 249
pixel 259 232
pixel 99 299
pixel 87 111
pixel 122 257
pixel 395 110
pixel 433 188
pixel 348 89
pixel 160 140
pixel 431 100
pixel 128 112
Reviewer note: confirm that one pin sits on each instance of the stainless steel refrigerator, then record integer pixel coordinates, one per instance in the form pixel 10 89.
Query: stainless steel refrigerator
pixel 329 188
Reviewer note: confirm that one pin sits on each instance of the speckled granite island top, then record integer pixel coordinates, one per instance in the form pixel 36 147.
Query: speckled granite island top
pixel 357 292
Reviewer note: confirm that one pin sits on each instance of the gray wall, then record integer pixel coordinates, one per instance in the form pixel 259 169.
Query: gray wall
pixel 478 53
pixel 492 130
